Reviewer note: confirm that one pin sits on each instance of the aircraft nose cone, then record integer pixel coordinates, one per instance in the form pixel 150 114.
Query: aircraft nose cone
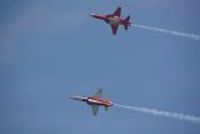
pixel 75 98
pixel 92 14
pixel 79 98
pixel 72 98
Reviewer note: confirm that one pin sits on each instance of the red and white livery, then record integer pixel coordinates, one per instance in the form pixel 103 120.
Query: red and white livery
pixel 95 101
pixel 114 20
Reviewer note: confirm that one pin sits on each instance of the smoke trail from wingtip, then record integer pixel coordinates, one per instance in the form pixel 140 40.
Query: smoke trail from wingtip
pixel 179 116
pixel 172 32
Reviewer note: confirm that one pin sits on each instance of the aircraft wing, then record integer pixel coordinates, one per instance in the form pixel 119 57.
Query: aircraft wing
pixel 98 93
pixel 114 29
pixel 95 109
pixel 117 12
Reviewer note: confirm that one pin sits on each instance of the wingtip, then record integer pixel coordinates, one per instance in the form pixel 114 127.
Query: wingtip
pixel 114 34
pixel 99 89
pixel 119 7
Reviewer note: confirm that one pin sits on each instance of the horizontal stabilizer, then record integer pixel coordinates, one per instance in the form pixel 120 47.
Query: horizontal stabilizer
pixel 127 22
pixel 127 18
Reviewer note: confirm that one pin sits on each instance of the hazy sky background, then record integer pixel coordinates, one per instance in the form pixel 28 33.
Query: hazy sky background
pixel 52 49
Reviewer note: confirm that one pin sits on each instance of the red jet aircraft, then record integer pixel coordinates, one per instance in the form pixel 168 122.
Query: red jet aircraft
pixel 114 20
pixel 95 101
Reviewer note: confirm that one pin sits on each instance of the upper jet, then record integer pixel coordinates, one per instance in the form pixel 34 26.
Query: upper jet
pixel 95 101
pixel 114 20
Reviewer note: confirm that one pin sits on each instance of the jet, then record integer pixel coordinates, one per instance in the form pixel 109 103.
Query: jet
pixel 114 20
pixel 95 101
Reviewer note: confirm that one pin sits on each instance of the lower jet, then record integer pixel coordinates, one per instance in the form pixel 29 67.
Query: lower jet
pixel 114 20
pixel 95 101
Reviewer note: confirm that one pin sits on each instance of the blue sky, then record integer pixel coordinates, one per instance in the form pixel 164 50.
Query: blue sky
pixel 51 50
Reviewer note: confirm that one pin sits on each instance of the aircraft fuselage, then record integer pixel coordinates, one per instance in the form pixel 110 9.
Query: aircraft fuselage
pixel 93 100
pixel 115 20
pixel 98 101
pixel 112 20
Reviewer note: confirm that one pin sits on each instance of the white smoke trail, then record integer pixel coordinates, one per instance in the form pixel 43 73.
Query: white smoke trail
pixel 179 116
pixel 172 32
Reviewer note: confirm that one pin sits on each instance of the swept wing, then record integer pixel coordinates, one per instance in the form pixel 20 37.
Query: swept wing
pixel 117 12
pixel 98 93
pixel 95 109
pixel 114 29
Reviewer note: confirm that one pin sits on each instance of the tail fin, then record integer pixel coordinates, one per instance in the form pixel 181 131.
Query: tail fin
pixel 127 22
